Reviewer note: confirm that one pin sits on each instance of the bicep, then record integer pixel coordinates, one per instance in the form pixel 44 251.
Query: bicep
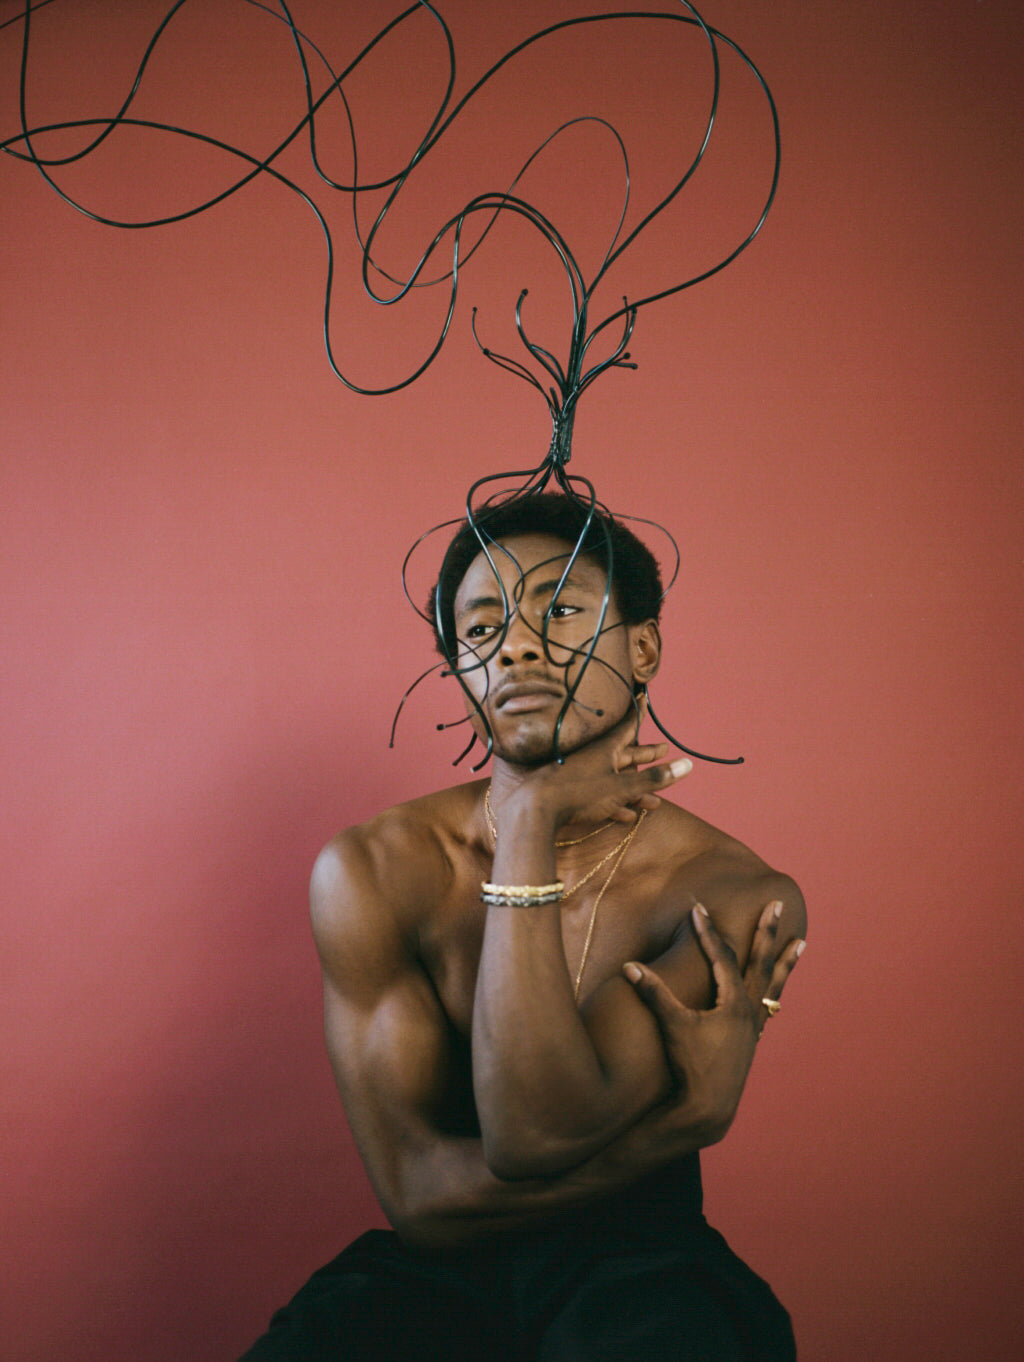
pixel 626 1038
pixel 387 1053
pixel 625 1035
pixel 385 1030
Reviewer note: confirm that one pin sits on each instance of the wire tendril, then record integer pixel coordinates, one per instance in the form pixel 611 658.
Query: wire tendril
pixel 561 382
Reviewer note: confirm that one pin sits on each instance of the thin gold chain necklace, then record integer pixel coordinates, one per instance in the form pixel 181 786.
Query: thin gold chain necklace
pixel 618 851
pixel 571 842
pixel 622 848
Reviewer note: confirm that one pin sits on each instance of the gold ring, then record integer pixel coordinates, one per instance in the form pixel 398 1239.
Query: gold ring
pixel 771 1005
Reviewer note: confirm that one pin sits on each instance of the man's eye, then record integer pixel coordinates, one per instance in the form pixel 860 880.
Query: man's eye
pixel 480 630
pixel 561 612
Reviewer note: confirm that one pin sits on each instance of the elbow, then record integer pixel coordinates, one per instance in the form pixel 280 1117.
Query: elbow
pixel 516 1166
pixel 510 1165
pixel 414 1206
pixel 421 1231
pixel 712 1132
pixel 421 1222
pixel 438 1222
pixel 519 1156
pixel 709 1123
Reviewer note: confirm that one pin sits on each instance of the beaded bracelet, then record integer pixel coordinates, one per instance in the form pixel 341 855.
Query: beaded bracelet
pixel 521 895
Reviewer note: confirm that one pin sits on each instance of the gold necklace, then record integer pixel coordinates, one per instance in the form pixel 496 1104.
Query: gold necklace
pixel 571 842
pixel 617 851
pixel 622 848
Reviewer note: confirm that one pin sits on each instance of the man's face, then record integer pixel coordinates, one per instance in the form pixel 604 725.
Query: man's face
pixel 519 684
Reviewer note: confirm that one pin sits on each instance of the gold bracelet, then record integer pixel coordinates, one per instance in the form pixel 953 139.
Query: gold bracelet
pixel 528 890
pixel 521 895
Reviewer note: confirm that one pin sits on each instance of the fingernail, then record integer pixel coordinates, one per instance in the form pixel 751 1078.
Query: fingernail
pixel 680 767
pixel 776 910
pixel 633 973
pixel 699 908
pixel 800 945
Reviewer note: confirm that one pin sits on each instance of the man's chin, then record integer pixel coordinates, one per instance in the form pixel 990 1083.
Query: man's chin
pixel 531 750
pixel 528 761
pixel 528 749
pixel 527 755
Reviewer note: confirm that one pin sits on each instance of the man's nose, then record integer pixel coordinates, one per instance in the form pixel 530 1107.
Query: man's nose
pixel 520 644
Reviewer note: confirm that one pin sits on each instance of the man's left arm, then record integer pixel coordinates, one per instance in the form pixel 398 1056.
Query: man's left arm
pixel 555 1085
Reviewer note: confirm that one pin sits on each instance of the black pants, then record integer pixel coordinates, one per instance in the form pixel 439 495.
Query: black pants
pixel 596 1294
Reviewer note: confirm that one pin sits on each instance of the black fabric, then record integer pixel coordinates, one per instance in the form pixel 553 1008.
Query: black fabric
pixel 640 1276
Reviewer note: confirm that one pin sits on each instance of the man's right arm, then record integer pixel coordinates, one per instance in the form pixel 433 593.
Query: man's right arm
pixel 391 1048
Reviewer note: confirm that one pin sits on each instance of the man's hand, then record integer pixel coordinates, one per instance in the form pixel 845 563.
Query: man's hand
pixel 710 1053
pixel 612 777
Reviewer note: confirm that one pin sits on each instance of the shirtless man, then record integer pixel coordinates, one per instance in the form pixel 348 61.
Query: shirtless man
pixel 528 1084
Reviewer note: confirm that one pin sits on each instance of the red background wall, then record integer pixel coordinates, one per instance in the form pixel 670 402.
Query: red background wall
pixel 205 640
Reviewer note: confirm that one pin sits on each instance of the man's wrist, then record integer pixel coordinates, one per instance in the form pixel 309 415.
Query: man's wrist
pixel 521 895
pixel 524 822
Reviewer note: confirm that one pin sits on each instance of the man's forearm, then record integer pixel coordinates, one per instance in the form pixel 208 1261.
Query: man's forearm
pixel 454 1199
pixel 542 1094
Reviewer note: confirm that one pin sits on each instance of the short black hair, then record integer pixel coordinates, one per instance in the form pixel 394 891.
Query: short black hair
pixel 636 579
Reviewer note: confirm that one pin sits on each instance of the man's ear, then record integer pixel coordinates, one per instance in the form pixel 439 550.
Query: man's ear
pixel 645 651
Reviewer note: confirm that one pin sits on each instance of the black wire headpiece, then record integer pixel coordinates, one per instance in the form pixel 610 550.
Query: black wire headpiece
pixel 560 384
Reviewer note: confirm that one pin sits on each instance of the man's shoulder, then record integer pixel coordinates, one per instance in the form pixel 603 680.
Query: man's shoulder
pixel 698 846
pixel 392 856
pixel 731 880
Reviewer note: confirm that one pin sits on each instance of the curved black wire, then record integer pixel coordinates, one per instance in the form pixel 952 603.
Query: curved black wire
pixel 573 381
pixel 566 381
pixel 479 510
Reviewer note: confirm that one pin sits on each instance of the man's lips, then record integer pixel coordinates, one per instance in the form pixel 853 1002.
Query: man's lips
pixel 519 697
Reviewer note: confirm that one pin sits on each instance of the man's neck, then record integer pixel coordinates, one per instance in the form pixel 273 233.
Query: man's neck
pixel 578 844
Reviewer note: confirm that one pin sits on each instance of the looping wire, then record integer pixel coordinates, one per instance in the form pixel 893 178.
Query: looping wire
pixel 453 243
pixel 569 379
pixel 482 505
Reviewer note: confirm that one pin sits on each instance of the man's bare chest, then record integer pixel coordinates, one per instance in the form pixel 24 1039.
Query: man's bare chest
pixel 600 932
